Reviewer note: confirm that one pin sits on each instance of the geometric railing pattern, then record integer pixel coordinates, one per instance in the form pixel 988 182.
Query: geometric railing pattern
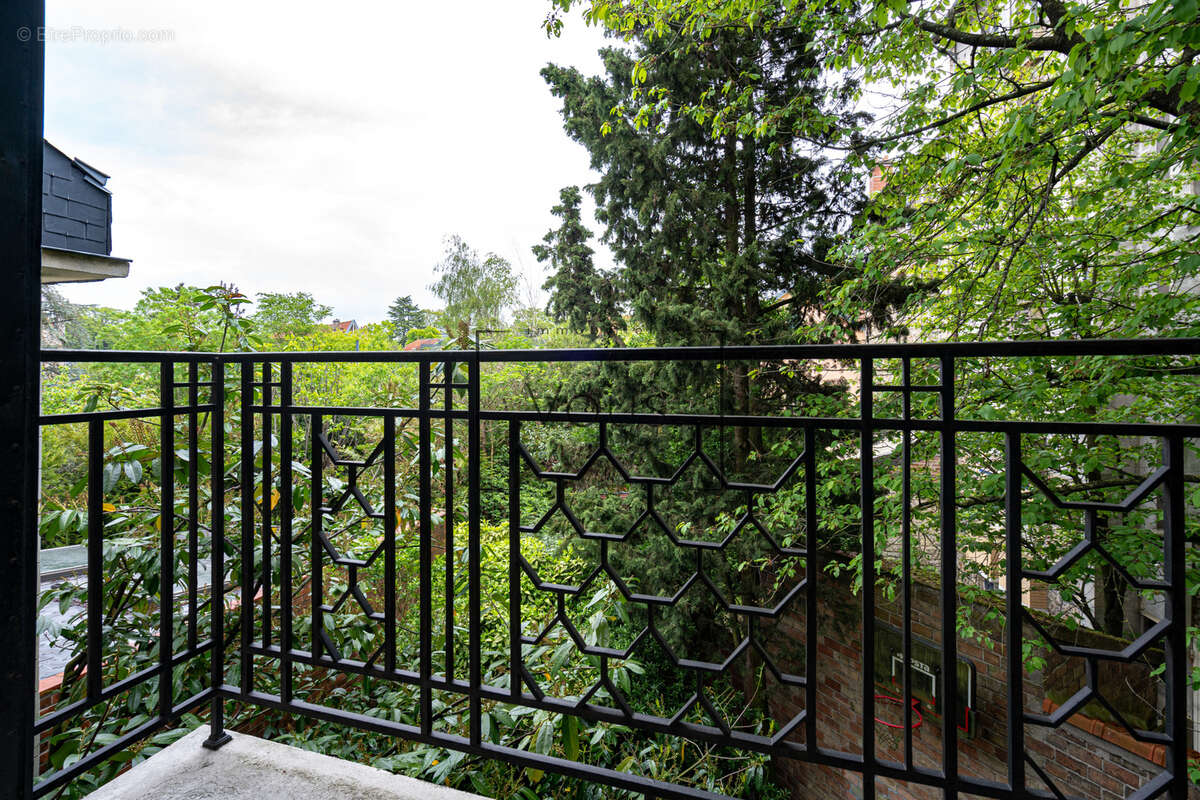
pixel 277 604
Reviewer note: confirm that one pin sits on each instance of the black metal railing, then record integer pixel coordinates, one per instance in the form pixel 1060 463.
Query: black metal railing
pixel 301 553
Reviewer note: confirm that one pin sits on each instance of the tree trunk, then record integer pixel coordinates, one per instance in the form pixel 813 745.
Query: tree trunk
pixel 752 303
pixel 1110 586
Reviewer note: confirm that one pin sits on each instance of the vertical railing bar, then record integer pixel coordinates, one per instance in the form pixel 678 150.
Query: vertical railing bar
pixel 166 543
pixel 514 553
pixel 1176 673
pixel 867 478
pixel 448 525
pixel 246 605
pixel 906 558
pixel 95 563
pixel 389 543
pixel 425 499
pixel 473 514
pixel 1015 639
pixel 193 501
pixel 316 589
pixel 949 565
pixel 268 511
pixel 217 735
pixel 285 530
pixel 811 573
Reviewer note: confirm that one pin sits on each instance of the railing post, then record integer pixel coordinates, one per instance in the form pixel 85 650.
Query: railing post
pixel 316 584
pixel 448 526
pixel 389 543
pixel 906 557
pixel 425 500
pixel 286 643
pixel 21 65
pixel 95 560
pixel 166 541
pixel 247 478
pixel 867 478
pixel 1016 613
pixel 948 537
pixel 217 735
pixel 1176 675
pixel 811 575
pixel 514 554
pixel 473 544
pixel 268 512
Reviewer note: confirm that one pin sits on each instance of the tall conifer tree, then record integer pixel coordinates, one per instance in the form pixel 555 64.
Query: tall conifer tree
pixel 717 240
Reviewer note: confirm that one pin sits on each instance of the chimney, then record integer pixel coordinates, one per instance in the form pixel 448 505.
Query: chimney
pixel 878 180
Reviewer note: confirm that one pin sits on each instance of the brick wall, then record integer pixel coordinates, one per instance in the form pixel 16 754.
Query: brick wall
pixel 1084 757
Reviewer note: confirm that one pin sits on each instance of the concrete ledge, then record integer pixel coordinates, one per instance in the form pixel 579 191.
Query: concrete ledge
pixel 248 768
pixel 72 266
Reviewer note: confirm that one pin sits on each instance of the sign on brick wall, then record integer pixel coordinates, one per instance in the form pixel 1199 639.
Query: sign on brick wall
pixel 925 676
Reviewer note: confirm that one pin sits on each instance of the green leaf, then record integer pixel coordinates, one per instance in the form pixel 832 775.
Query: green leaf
pixel 571 737
pixel 544 740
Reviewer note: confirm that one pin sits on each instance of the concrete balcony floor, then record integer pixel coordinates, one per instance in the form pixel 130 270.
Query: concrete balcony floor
pixel 249 768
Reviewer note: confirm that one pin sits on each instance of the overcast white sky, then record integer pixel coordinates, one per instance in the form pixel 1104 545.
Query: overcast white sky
pixel 319 147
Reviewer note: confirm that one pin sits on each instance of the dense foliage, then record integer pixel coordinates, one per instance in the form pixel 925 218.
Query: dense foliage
pixel 1037 167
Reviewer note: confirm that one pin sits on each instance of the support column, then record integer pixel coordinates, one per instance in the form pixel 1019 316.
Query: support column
pixel 21 86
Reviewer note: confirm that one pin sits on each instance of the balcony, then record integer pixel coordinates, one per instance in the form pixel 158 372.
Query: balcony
pixel 594 586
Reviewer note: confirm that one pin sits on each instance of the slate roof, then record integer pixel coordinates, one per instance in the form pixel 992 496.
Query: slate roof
pixel 76 206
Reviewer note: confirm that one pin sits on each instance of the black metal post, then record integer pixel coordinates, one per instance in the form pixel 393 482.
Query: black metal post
pixel 811 574
pixel 867 489
pixel 286 642
pixel 95 562
pixel 21 68
pixel 906 556
pixel 217 735
pixel 1176 676
pixel 247 479
pixel 268 511
pixel 193 495
pixel 473 544
pixel 1016 614
pixel 389 543
pixel 166 543
pixel 316 588
pixel 425 492
pixel 949 543
pixel 514 554
pixel 448 477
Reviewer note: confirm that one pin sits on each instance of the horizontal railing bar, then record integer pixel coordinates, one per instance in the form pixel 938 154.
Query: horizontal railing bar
pixel 101 755
pixel 1015 349
pixel 608 777
pixel 1187 430
pixel 120 413
pixel 643 722
pixel 900 388
pixel 48 721
pixel 621 780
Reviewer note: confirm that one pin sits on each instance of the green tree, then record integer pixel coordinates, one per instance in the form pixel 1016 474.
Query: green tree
pixel 582 296
pixel 1041 161
pixel 476 289
pixel 284 315
pixel 183 318
pixel 404 316
pixel 717 240
pixel 1041 158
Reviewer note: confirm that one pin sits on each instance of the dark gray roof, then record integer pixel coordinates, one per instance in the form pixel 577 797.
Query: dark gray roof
pixel 76 206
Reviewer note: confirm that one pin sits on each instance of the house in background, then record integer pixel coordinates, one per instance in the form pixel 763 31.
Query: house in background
pixel 344 326
pixel 76 222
